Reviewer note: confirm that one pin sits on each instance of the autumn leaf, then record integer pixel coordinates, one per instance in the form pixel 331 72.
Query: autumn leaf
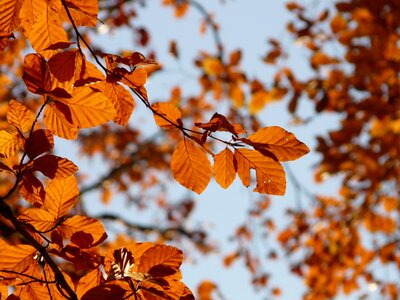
pixel 270 175
pixel 39 142
pixel 88 107
pixel 47 28
pixel 219 122
pixel 17 258
pixel 281 143
pixel 64 65
pixel 10 142
pixel 54 166
pixel 87 282
pixel 40 219
pixel 224 168
pixel 20 116
pixel 170 112
pixel 160 261
pixel 61 196
pixel 84 13
pixel 32 189
pixel 122 100
pixel 190 166
pixel 83 231
pixel 9 15
pixel 57 118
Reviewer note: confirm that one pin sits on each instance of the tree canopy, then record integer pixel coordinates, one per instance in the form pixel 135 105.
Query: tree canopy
pixel 53 246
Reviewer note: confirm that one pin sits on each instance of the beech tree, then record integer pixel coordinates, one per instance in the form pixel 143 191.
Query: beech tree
pixel 51 247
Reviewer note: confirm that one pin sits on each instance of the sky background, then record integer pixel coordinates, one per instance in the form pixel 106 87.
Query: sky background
pixel 246 25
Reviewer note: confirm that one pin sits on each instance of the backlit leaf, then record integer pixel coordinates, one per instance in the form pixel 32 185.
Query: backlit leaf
pixel 39 218
pixel 32 189
pixel 54 166
pixel 9 15
pixel 47 29
pixel 17 258
pixel 170 112
pixel 87 282
pixel 20 116
pixel 160 261
pixel 88 108
pixel 80 226
pixel 280 142
pixel 270 175
pixel 122 100
pixel 84 13
pixel 224 168
pixel 55 119
pixel 10 142
pixel 61 196
pixel 190 166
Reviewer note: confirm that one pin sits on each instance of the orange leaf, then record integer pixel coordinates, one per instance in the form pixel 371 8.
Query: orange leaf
pixel 219 122
pixel 224 168
pixel 170 112
pixel 84 13
pixel 20 116
pixel 122 100
pixel 54 166
pixel 83 231
pixel 40 219
pixel 205 289
pixel 135 78
pixel 32 189
pixel 40 141
pixel 269 173
pixel 47 28
pixel 10 142
pixel 190 166
pixel 61 196
pixel 281 143
pixel 55 118
pixel 87 282
pixel 88 108
pixel 160 261
pixel 17 258
pixel 9 15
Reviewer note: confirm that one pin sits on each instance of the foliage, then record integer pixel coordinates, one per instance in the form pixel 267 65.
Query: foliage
pixel 52 248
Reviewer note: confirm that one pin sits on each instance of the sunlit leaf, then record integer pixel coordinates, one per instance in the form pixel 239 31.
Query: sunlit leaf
pixel 17 258
pixel 87 232
pixel 47 28
pixel 169 115
pixel 190 166
pixel 54 166
pixel 270 175
pixel 122 100
pixel 160 261
pixel 84 13
pixel 280 142
pixel 9 15
pixel 224 168
pixel 20 116
pixel 61 196
pixel 40 219
pixel 10 142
